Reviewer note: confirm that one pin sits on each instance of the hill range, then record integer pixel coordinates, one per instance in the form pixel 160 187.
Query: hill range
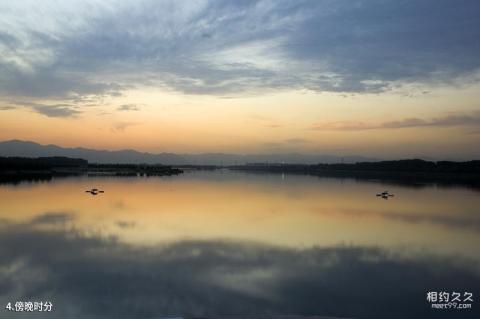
pixel 32 149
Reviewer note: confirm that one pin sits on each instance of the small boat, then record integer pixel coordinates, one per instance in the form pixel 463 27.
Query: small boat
pixel 384 195
pixel 94 191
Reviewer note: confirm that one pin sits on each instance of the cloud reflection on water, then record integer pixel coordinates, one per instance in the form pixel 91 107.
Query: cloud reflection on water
pixel 93 276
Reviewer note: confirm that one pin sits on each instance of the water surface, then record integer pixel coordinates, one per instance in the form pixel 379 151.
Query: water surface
pixel 221 243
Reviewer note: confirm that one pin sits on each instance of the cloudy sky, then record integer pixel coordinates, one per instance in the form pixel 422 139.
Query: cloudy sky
pixel 377 78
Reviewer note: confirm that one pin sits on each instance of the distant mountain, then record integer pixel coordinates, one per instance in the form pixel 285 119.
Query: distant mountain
pixel 32 149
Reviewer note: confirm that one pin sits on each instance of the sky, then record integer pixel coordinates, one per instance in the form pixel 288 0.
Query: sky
pixel 379 78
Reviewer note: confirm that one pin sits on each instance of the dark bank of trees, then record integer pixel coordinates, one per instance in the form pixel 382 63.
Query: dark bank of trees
pixel 17 169
pixel 401 171
pixel 40 163
pixel 132 170
pixel 409 165
pixel 41 168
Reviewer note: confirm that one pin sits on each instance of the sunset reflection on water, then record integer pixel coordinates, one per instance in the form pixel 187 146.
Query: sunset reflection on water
pixel 228 243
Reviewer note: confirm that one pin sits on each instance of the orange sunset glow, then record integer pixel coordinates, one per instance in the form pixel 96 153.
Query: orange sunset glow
pixel 251 93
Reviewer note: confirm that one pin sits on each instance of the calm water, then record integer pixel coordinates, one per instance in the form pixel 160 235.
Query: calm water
pixel 234 244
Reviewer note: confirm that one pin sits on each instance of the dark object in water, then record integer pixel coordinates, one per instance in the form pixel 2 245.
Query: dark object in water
pixel 385 195
pixel 94 191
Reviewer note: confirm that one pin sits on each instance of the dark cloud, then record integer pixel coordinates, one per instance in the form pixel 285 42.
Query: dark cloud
pixel 90 276
pixel 446 121
pixel 49 82
pixel 368 45
pixel 8 40
pixel 229 47
pixel 450 120
pixel 50 110
pixel 57 110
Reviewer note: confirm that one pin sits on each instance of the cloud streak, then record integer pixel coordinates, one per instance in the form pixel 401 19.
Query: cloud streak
pixel 445 121
pixel 50 110
pixel 57 110
pixel 128 107
pixel 122 126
